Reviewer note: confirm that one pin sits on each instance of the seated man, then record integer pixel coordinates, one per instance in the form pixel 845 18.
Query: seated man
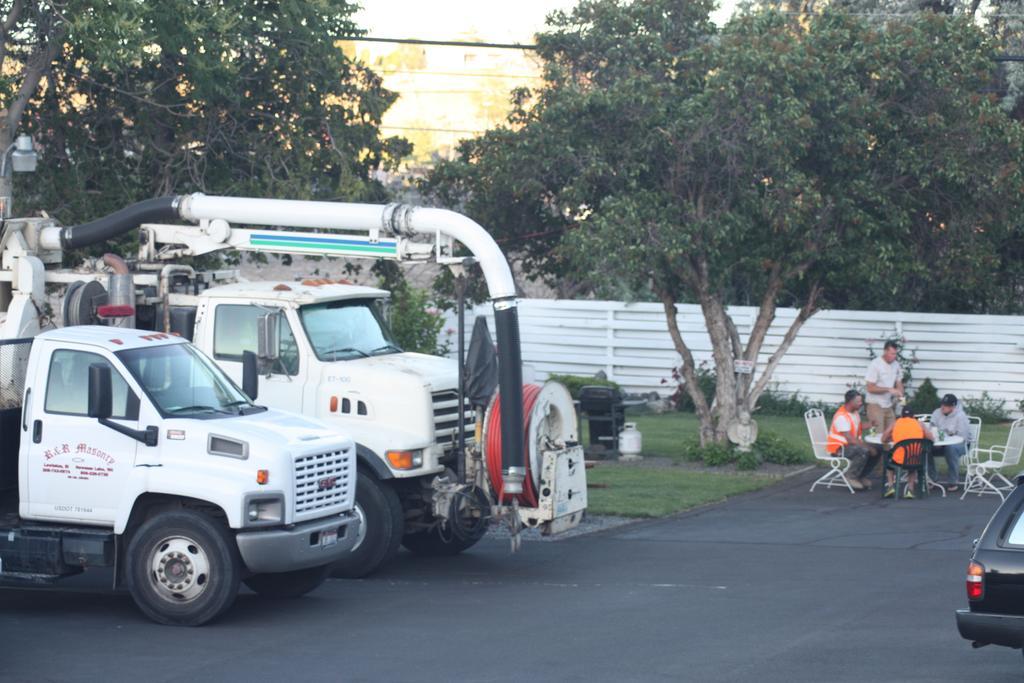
pixel 951 419
pixel 846 434
pixel 905 427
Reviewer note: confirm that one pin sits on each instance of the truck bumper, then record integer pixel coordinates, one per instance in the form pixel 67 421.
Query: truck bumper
pixel 991 629
pixel 310 544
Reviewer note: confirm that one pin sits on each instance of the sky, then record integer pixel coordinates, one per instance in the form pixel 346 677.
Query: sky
pixel 486 20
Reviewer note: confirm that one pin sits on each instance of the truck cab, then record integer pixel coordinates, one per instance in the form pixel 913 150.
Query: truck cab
pixel 133 450
pixel 337 360
pixel 334 358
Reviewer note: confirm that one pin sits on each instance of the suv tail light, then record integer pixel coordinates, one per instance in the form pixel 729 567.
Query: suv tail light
pixel 975 581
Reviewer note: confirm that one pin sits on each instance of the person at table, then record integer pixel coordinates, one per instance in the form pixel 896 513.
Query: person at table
pixel 950 418
pixel 905 427
pixel 884 382
pixel 846 434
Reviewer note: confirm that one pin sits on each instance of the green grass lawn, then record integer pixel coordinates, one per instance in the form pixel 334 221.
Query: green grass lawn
pixel 657 491
pixel 643 491
pixel 668 435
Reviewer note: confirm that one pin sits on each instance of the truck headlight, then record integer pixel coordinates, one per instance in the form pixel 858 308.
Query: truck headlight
pixel 405 460
pixel 265 510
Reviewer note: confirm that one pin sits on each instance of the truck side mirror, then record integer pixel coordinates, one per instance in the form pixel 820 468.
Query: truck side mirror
pixel 268 339
pixel 250 375
pixel 101 394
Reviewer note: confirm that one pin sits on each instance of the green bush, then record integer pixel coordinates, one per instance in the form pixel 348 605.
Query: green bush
pixel 415 323
pixel 773 449
pixel 706 380
pixel 986 407
pixel 926 398
pixel 574 383
pixel 747 461
pixel 768 448
pixel 718 454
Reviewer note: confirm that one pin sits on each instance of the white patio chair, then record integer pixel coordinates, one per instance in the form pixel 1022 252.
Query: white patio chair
pixel 838 464
pixel 984 470
pixel 973 440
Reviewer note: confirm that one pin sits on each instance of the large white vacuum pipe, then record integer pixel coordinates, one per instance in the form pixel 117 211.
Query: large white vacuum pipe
pixel 395 219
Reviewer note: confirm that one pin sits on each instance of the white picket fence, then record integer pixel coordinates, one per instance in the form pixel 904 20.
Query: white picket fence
pixel 962 354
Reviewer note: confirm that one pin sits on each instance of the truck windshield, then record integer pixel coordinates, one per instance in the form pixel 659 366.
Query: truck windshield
pixel 343 330
pixel 183 382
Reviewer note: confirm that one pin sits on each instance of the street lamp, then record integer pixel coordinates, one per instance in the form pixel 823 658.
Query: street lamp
pixel 21 157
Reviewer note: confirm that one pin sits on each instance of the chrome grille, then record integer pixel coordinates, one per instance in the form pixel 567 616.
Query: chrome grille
pixel 446 419
pixel 323 480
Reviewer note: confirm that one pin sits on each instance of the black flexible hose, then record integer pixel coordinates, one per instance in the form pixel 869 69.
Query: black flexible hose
pixel 510 385
pixel 120 222
pixel 464 525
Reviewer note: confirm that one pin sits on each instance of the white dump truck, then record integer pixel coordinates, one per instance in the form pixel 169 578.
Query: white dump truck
pixel 324 349
pixel 131 449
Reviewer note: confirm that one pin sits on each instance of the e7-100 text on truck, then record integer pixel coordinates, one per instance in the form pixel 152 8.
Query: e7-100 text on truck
pixel 131 449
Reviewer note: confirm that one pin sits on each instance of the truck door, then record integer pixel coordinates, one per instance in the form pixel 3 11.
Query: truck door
pixel 235 330
pixel 76 466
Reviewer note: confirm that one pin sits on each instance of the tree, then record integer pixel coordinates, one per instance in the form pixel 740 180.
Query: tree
pixel 778 161
pixel 131 100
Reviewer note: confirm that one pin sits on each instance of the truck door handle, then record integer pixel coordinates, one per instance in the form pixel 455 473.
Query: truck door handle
pixel 24 410
pixel 37 431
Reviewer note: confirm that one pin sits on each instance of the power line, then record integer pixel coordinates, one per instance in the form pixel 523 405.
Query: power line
pixel 444 43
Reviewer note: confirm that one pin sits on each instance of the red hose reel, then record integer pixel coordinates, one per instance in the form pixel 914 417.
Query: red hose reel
pixel 492 447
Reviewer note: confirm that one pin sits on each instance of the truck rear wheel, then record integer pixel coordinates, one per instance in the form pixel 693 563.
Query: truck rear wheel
pixel 434 543
pixel 381 524
pixel 287 585
pixel 183 568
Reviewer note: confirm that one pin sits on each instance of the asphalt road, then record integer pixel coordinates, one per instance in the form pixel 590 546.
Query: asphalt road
pixel 779 585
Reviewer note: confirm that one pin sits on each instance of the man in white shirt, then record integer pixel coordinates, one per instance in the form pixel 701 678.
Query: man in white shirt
pixel 885 387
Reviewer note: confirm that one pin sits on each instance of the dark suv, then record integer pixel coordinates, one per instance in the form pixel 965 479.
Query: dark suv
pixel 995 579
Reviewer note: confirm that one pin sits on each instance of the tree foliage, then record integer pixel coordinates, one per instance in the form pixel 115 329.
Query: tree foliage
pixel 781 161
pixel 136 99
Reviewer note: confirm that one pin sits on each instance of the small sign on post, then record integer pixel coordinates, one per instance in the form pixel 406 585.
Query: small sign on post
pixel 744 367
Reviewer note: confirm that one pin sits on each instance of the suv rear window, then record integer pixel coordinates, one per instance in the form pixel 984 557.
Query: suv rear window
pixel 1013 535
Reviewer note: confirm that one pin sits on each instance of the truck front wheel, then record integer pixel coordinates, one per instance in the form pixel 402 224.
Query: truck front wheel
pixel 381 524
pixel 183 568
pixel 287 585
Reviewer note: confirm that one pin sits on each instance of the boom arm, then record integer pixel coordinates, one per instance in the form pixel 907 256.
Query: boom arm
pixel 370 231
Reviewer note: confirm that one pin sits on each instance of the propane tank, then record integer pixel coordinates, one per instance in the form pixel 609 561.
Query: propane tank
pixel 630 443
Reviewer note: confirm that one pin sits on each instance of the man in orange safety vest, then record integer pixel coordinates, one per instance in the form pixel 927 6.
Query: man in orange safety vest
pixel 846 437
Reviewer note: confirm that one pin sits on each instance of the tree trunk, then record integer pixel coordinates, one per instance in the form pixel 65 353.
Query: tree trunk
pixel 688 370
pixel 735 396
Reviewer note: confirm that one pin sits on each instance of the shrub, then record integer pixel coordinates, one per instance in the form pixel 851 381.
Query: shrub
pixel 414 322
pixel 718 454
pixel 986 407
pixel 777 403
pixel 706 380
pixel 775 450
pixel 575 382
pixel 747 461
pixel 926 398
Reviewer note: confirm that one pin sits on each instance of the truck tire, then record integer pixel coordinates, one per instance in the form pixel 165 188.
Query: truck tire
pixel 381 524
pixel 288 585
pixel 183 568
pixel 434 543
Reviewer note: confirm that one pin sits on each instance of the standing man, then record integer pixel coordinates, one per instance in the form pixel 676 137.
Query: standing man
pixel 846 434
pixel 951 419
pixel 885 387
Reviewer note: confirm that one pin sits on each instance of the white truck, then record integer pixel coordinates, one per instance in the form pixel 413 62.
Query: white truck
pixel 130 449
pixel 324 349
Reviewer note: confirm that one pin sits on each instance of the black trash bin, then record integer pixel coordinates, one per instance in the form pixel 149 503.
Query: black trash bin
pixel 605 414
